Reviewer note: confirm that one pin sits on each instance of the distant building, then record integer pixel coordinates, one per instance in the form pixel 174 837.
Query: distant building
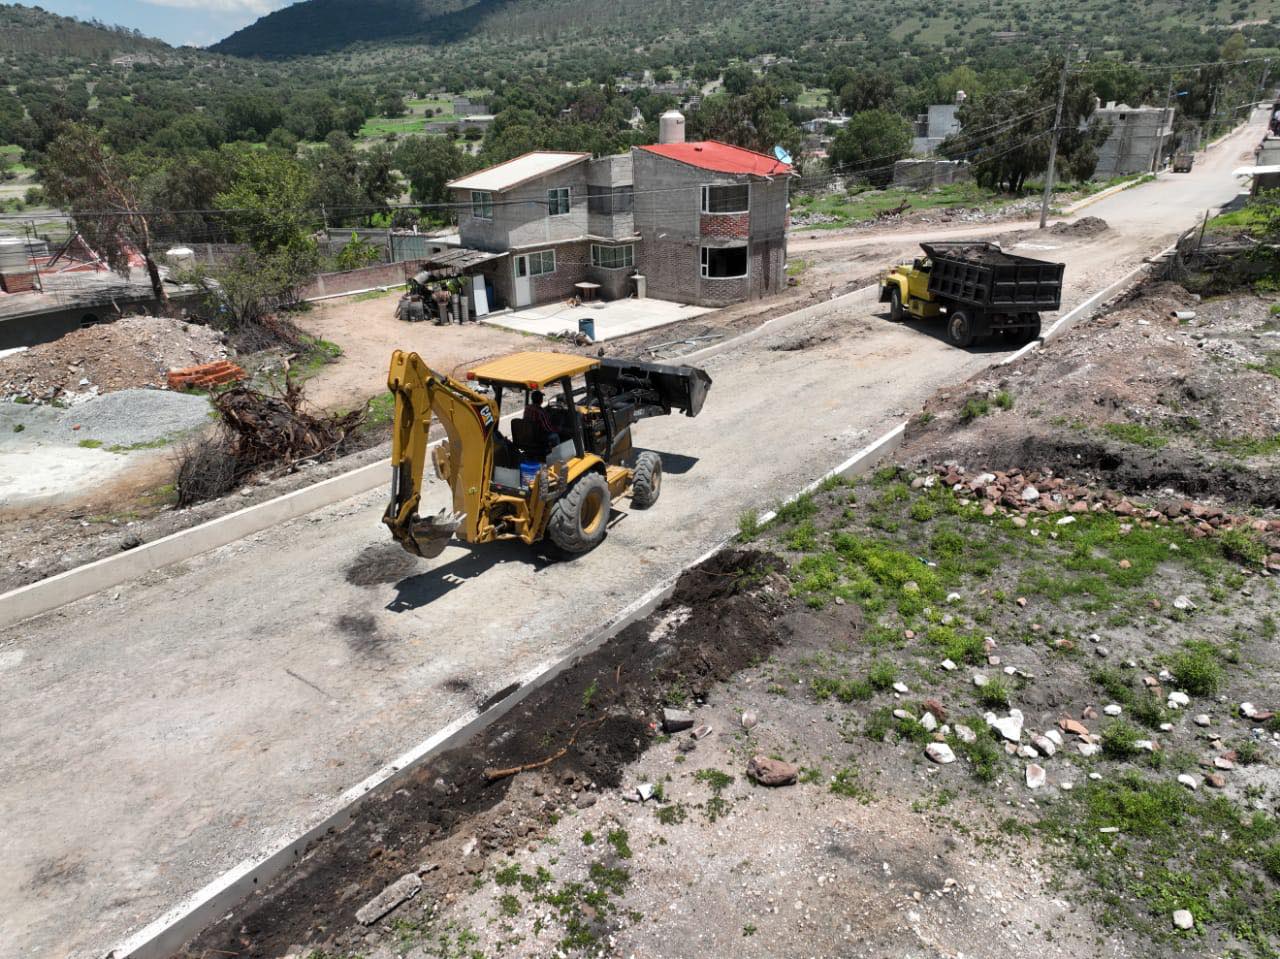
pixel 466 107
pixel 940 122
pixel 478 121
pixel 1140 137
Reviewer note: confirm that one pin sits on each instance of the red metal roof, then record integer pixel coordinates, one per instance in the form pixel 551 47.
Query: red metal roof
pixel 721 158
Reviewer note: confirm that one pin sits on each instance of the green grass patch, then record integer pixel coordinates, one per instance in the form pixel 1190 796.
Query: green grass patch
pixel 860 205
pixel 1196 669
pixel 90 444
pixel 1136 434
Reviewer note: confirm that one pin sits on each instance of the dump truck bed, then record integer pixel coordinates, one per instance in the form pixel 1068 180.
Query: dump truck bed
pixel 984 276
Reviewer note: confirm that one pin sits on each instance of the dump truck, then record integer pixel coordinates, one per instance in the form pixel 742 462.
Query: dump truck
pixel 533 485
pixel 977 288
pixel 1183 161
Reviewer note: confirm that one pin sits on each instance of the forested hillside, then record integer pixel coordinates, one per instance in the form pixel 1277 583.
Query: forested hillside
pixel 745 26
pixel 32 31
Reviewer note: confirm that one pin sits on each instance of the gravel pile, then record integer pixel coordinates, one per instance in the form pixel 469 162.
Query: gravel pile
pixel 132 417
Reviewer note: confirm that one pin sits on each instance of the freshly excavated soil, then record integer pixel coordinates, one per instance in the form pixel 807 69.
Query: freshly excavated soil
pixel 724 615
pixel 134 351
pixel 1136 397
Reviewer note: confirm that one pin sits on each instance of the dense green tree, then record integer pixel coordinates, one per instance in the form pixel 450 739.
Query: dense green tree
pixel 870 143
pixel 268 203
pixel 429 163
pixel 738 79
pixel 755 120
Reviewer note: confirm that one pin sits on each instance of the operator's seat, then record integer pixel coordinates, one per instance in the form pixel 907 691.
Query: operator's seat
pixel 529 440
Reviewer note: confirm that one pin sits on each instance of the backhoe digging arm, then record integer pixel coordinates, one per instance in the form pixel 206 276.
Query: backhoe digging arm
pixel 465 461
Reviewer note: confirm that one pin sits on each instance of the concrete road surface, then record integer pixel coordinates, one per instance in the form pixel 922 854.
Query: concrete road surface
pixel 157 734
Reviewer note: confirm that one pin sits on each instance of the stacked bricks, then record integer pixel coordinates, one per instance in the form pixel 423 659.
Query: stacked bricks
pixel 726 225
pixel 18 282
pixel 204 376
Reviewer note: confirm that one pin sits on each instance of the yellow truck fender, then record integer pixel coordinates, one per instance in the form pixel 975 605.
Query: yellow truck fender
pixel 889 282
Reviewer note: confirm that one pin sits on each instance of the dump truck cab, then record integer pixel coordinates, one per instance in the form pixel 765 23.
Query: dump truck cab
pixel 906 289
pixel 532 482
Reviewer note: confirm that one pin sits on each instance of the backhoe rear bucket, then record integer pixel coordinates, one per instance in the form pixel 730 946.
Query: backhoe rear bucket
pixel 428 536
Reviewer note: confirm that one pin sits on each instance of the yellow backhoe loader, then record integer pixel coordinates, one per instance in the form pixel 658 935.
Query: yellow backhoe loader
pixel 558 483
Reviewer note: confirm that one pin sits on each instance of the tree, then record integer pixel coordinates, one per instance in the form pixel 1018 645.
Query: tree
pixel 738 79
pixel 1005 135
pixel 268 203
pixel 857 91
pixel 430 163
pixel 870 143
pixel 79 175
pixel 755 120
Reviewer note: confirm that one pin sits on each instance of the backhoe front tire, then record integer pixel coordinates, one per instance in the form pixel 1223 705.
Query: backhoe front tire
pixel 646 481
pixel 580 517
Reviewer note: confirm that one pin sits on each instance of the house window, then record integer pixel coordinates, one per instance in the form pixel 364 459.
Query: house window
pixel 724 262
pixel 540 263
pixel 481 205
pixel 558 201
pixel 613 257
pixel 607 201
pixel 726 199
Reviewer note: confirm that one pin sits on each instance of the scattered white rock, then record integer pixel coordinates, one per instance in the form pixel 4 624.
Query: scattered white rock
pixel 1166 727
pixel 1145 745
pixel 953 597
pixel 1183 602
pixel 940 753
pixel 1010 727
pixel 645 791
pixel 1066 521
pixel 901 688
pixel 929 721
pixel 1035 776
pixel 1177 700
pixel 1087 749
pixel 948 665
pixel 1202 720
pixel 1183 919
pixel 1113 709
pixel 1096 777
pixel 1030 494
pixel 1248 710
pixel 1054 736
pixel 404 888
pixel 980 680
pixel 902 714
pixel 1027 751
pixel 1046 745
pixel 965 734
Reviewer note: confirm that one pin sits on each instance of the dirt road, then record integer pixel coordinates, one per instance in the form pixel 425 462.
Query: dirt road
pixel 157 734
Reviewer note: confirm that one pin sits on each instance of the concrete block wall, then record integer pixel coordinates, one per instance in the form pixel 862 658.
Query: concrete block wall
pixel 1131 145
pixel 520 215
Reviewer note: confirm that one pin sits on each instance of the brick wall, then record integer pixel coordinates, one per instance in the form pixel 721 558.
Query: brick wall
pixel 332 284
pixel 573 262
pixel 726 225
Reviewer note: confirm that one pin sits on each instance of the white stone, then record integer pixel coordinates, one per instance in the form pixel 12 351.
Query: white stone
pixel 1178 700
pixel 980 680
pixel 1248 710
pixel 940 753
pixel 1030 494
pixel 1096 777
pixel 1166 727
pixel 1010 727
pixel 1035 776
pixel 1183 602
pixel 1202 719
pixel 1087 749
pixel 1183 919
pixel 1055 737
pixel 929 721
pixel 1146 745
pixel 902 714
pixel 1189 781
pixel 948 665
pixel 1028 752
pixel 1113 709
pixel 1044 744
pixel 901 688
pixel 1066 521
pixel 953 597
pixel 965 734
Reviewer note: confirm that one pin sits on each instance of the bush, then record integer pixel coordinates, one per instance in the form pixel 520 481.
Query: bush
pixel 882 674
pixel 1196 669
pixel 994 694
pixel 1120 740
pixel 205 470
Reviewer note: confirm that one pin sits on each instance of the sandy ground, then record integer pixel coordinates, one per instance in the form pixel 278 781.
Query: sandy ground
pixel 161 732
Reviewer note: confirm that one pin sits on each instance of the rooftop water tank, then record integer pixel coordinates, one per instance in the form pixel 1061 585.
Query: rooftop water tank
pixel 671 127
pixel 180 256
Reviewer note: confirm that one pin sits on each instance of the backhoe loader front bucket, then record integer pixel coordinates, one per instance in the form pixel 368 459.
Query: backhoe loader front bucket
pixel 428 536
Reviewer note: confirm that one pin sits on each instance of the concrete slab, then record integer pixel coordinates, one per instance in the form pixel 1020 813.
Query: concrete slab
pixel 612 319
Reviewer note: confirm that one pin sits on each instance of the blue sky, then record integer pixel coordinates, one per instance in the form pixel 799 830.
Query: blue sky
pixel 198 22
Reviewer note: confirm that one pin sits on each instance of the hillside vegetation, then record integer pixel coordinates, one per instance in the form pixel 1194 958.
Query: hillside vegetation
pixel 31 30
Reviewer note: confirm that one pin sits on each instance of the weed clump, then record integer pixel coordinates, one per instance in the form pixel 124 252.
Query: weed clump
pixel 1196 669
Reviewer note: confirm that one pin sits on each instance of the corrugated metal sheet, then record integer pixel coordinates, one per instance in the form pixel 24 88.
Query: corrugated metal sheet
pixel 507 176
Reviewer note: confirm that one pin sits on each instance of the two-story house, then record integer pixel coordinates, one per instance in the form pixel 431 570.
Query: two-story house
pixel 705 223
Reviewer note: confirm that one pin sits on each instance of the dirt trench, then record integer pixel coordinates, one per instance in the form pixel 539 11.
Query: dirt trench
pixel 724 615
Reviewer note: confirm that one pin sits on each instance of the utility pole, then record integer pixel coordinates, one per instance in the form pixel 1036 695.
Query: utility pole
pixel 1053 143
pixel 1262 84
pixel 1168 102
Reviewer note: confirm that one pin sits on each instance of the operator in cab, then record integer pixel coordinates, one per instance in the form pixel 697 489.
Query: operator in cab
pixel 535 414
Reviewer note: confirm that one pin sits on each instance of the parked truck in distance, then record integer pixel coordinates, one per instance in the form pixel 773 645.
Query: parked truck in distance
pixel 977 288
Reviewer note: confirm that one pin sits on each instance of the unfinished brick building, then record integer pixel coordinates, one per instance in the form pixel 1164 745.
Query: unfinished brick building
pixel 703 223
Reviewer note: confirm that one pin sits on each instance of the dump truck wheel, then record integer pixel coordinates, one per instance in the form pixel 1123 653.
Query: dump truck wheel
pixel 646 482
pixel 580 517
pixel 895 306
pixel 960 329
pixel 1032 331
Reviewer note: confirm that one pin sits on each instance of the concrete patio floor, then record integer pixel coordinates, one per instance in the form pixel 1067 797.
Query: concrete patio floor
pixel 613 319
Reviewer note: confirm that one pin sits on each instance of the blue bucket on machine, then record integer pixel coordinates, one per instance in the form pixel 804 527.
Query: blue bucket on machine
pixel 529 472
pixel 587 327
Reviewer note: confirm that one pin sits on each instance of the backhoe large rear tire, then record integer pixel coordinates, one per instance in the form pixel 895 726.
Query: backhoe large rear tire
pixel 646 482
pixel 580 517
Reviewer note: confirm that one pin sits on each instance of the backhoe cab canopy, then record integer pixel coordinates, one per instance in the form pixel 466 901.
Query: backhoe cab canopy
pixel 532 371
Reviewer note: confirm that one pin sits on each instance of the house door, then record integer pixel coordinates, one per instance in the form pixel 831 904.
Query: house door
pixel 523 284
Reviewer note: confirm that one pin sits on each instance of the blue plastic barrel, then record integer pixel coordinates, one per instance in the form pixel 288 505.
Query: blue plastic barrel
pixel 529 472
pixel 587 326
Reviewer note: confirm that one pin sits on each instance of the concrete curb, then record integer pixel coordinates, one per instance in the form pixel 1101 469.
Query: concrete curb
pixel 67 587
pixel 167 934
